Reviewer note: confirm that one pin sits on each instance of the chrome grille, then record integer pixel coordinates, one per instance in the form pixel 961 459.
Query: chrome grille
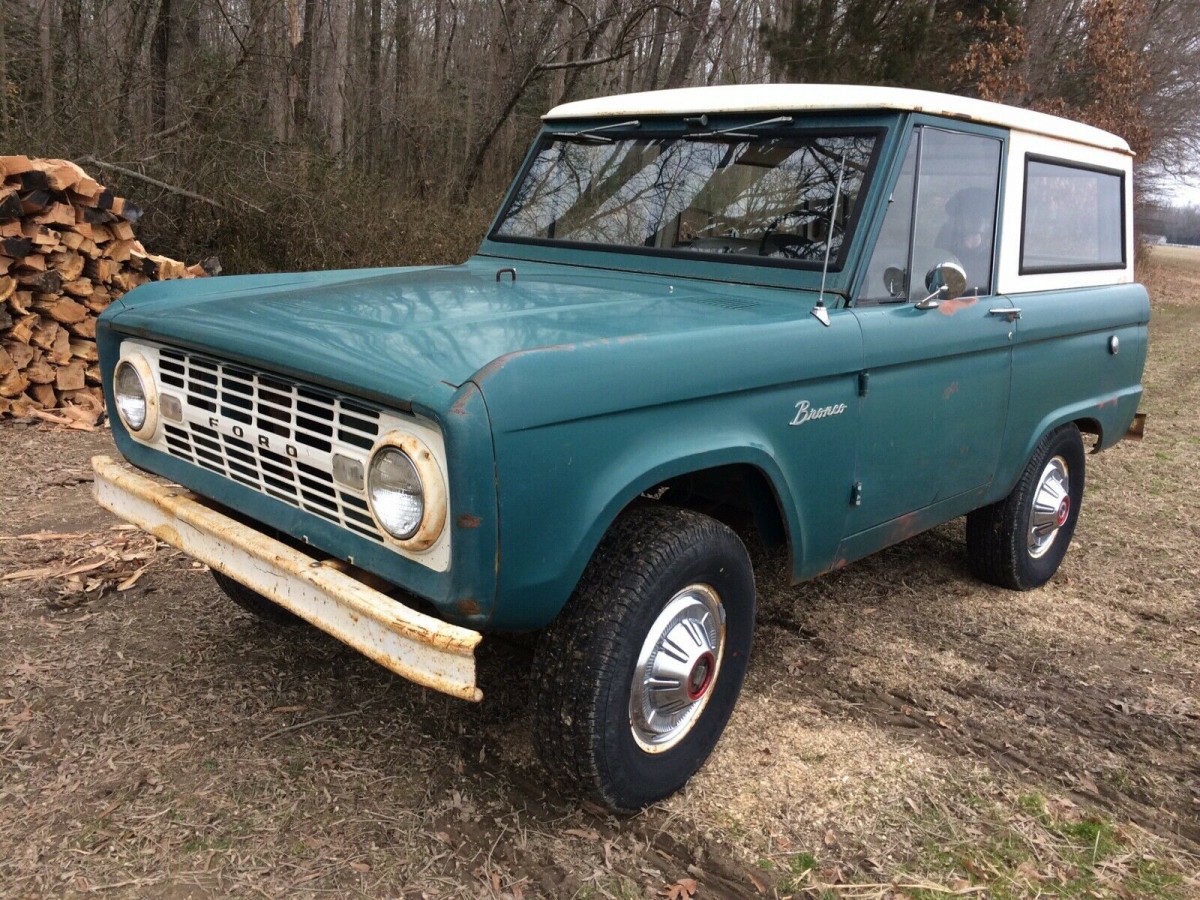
pixel 276 436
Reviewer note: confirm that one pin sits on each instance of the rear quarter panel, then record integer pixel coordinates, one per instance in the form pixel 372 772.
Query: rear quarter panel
pixel 1064 369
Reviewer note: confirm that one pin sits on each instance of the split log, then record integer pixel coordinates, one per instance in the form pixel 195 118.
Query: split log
pixel 60 352
pixel 56 214
pixel 71 265
pixel 16 247
pixel 71 377
pixel 68 311
pixel 22 331
pixel 44 394
pixel 13 384
pixel 15 165
pixel 20 353
pixel 40 372
pixel 80 287
pixel 10 203
pixel 85 350
pixel 34 201
pixel 85 329
pixel 60 174
pixel 49 282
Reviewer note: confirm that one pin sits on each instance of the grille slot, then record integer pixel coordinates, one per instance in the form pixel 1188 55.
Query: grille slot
pixel 306 423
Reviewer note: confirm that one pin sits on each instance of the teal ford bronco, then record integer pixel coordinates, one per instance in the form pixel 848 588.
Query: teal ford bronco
pixel 842 314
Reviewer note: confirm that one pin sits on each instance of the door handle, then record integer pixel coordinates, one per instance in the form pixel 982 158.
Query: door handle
pixel 1009 312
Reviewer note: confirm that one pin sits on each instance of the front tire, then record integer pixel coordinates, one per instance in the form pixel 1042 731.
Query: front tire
pixel 1019 542
pixel 255 603
pixel 637 677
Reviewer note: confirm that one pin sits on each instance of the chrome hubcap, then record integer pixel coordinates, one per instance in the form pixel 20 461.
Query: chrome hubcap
pixel 1051 507
pixel 677 668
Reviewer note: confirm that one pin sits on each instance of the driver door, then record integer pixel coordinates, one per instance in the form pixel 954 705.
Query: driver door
pixel 935 381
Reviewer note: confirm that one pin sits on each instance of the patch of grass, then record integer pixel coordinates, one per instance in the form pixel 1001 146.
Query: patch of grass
pixel 1032 847
pixel 1032 804
pixel 1151 879
pixel 1093 835
pixel 800 867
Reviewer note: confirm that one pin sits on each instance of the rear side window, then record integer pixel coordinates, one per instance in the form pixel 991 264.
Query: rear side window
pixel 1073 219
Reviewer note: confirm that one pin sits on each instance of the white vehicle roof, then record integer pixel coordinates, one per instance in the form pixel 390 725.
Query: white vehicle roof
pixel 780 98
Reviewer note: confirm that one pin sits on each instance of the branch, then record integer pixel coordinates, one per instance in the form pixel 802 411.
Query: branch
pixel 154 181
pixel 581 63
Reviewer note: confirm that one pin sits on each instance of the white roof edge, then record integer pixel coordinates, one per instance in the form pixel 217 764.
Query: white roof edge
pixel 755 98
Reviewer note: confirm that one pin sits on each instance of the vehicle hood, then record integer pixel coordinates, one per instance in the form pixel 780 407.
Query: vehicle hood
pixel 404 333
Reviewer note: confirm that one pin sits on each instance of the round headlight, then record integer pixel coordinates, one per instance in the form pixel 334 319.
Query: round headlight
pixel 396 493
pixel 130 394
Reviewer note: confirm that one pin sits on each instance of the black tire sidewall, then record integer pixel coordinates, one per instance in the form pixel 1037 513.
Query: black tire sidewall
pixel 636 777
pixel 1034 571
pixel 265 610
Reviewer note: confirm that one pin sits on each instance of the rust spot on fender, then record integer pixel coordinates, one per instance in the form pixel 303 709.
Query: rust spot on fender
pixel 950 391
pixel 1111 401
pixel 468 606
pixel 466 520
pixel 495 366
pixel 460 405
pixel 904 527
pixel 950 307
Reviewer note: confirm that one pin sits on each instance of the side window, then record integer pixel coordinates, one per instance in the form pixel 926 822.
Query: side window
pixel 1073 218
pixel 943 209
pixel 887 278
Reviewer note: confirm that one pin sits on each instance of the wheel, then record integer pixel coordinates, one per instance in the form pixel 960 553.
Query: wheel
pixel 255 603
pixel 1019 542
pixel 636 678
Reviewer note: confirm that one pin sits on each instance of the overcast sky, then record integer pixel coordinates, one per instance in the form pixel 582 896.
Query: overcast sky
pixel 1185 194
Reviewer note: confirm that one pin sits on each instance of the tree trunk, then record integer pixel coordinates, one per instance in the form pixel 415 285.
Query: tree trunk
pixel 3 77
pixel 335 84
pixel 374 116
pixel 689 36
pixel 160 60
pixel 46 56
pixel 304 53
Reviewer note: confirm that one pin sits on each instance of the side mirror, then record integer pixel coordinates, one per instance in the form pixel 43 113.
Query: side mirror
pixel 947 279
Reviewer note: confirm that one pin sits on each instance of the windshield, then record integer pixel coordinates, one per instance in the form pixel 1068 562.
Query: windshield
pixel 769 197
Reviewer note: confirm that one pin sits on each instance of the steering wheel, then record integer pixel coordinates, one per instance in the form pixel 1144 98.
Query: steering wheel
pixel 792 246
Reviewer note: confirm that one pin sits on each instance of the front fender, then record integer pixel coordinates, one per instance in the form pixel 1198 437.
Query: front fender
pixel 555 514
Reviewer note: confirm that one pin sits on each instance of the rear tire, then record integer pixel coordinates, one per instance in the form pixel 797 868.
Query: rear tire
pixel 255 603
pixel 635 680
pixel 1019 542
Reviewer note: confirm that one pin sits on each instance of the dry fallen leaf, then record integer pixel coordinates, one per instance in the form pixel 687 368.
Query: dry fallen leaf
pixel 683 889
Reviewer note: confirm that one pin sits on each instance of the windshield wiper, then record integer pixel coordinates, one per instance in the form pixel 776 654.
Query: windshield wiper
pixel 592 134
pixel 739 132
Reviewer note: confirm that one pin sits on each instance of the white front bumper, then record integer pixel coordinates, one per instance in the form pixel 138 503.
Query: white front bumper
pixel 418 647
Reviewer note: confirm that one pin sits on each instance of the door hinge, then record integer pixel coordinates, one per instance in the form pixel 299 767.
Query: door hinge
pixel 856 494
pixel 864 379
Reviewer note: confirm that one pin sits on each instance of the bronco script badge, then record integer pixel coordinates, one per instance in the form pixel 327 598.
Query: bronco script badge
pixel 805 413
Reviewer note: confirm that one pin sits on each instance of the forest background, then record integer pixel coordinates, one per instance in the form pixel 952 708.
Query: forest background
pixel 301 134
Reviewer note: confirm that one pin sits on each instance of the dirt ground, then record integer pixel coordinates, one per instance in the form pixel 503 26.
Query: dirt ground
pixel 904 730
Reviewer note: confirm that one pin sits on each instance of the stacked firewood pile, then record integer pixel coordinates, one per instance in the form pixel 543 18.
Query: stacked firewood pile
pixel 67 250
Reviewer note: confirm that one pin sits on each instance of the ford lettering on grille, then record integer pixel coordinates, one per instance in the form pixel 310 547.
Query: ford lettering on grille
pixel 271 434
